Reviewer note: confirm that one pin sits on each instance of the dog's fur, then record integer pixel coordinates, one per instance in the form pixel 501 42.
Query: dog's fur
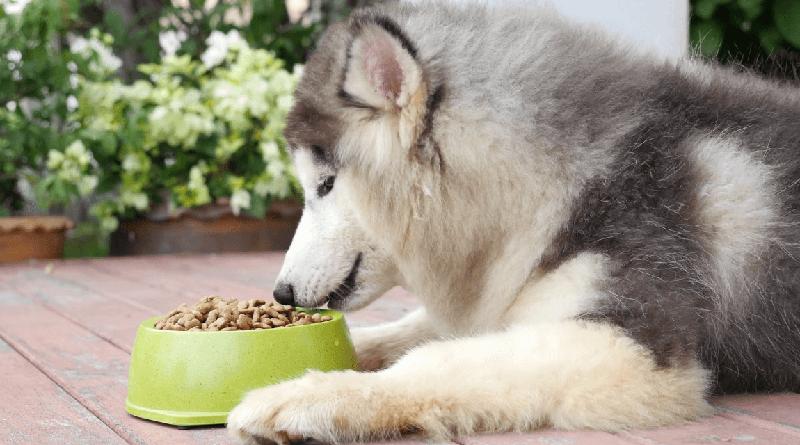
pixel 598 238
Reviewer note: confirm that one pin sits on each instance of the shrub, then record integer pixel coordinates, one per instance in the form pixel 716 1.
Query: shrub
pixel 193 132
pixel 38 90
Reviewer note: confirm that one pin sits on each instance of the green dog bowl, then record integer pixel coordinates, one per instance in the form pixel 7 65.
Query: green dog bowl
pixel 196 378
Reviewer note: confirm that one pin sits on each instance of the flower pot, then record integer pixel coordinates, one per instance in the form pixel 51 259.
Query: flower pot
pixel 208 232
pixel 32 237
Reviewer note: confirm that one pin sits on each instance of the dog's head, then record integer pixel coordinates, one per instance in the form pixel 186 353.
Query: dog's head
pixel 330 259
pixel 360 111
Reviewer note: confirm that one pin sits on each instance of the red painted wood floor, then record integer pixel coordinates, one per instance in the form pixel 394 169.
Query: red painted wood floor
pixel 66 331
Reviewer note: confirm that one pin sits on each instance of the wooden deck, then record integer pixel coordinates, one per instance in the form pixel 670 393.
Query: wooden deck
pixel 66 331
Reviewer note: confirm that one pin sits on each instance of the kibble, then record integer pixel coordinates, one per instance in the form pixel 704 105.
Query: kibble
pixel 219 314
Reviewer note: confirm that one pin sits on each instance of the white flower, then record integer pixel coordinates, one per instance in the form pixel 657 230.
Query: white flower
pixel 130 163
pixel 72 103
pixel 276 169
pixel 14 7
pixel 87 47
pixel 158 113
pixel 137 200
pixel 196 180
pixel 87 185
pixel 240 199
pixel 217 46
pixel 270 151
pixel 171 41
pixel 11 106
pixel 77 151
pixel 14 56
pixel 285 102
pixel 74 80
pixel 54 159
pixel 109 223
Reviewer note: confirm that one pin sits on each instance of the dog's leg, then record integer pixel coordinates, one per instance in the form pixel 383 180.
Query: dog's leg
pixel 379 346
pixel 568 375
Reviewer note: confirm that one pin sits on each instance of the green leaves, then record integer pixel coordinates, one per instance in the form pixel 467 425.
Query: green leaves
pixel 705 8
pixel 707 36
pixel 751 9
pixel 787 20
pixel 745 31
pixel 35 87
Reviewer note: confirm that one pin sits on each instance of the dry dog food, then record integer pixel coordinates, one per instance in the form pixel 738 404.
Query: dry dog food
pixel 218 314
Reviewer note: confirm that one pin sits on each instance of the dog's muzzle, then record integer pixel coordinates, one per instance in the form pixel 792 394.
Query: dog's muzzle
pixel 339 296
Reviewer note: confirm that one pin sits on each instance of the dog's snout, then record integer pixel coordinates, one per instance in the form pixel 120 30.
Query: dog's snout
pixel 284 293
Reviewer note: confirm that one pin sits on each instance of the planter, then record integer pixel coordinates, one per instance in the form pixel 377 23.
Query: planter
pixel 32 237
pixel 196 232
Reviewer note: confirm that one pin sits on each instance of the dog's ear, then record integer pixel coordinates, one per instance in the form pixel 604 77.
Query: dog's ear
pixel 382 71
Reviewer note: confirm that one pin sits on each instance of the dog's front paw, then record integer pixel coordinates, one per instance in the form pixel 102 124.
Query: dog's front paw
pixel 308 407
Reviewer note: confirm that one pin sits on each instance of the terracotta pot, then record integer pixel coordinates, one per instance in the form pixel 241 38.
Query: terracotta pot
pixel 190 233
pixel 32 237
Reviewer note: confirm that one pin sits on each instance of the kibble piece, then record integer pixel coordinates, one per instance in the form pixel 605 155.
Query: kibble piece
pixel 230 328
pixel 212 315
pixel 244 322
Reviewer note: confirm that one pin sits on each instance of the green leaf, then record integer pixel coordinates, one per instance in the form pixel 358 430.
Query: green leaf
pixel 751 8
pixel 115 25
pixel 707 35
pixel 770 39
pixel 705 8
pixel 258 206
pixel 787 20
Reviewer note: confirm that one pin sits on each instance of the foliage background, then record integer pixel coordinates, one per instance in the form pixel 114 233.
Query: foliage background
pixel 760 34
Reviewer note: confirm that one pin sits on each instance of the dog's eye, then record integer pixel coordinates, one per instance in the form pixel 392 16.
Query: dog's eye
pixel 325 186
pixel 318 153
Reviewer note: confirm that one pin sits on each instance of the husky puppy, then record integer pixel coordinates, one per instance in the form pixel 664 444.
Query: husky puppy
pixel 599 239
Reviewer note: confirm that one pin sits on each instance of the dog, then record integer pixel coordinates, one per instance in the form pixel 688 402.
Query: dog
pixel 599 239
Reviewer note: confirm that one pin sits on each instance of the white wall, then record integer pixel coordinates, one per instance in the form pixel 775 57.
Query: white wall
pixel 658 25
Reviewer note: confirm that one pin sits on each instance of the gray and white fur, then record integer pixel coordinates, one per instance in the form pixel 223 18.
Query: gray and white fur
pixel 599 238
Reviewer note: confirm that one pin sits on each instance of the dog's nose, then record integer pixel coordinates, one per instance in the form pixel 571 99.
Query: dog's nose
pixel 284 293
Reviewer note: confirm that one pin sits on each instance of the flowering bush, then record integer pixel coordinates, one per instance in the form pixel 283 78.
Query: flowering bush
pixel 43 64
pixel 194 132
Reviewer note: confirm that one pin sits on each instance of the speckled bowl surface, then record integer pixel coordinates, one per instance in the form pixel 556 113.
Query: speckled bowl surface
pixel 196 378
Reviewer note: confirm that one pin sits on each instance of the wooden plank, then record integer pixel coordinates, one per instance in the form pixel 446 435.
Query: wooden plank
pixel 172 276
pixel 111 319
pixel 548 437
pixel 781 408
pixel 36 410
pixel 87 367
pixel 720 428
